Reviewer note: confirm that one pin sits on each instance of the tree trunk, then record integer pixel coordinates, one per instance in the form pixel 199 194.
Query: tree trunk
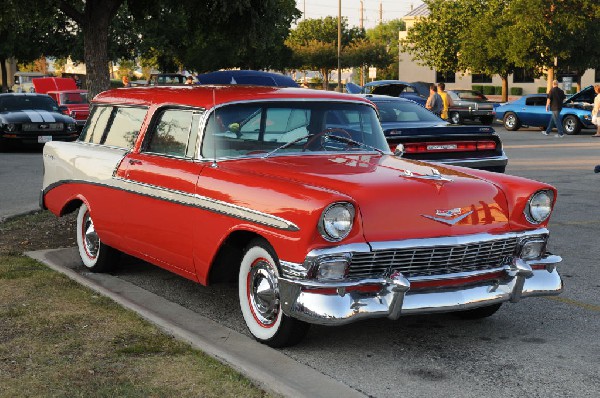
pixel 549 79
pixel 95 36
pixel 504 88
pixel 4 76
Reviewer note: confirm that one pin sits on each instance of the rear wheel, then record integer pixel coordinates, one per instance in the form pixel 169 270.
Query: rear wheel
pixel 511 122
pixel 478 313
pixel 96 256
pixel 455 118
pixel 258 287
pixel 571 125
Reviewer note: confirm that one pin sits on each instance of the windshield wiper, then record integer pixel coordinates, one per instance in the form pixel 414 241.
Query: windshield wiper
pixel 354 142
pixel 287 145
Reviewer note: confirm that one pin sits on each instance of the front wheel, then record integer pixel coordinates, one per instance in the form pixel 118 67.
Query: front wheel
pixel 96 256
pixel 511 122
pixel 258 287
pixel 478 313
pixel 571 125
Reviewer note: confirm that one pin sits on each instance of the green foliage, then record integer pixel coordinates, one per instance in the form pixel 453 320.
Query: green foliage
pixel 386 35
pixel 477 87
pixel 516 91
pixel 498 90
pixel 488 90
pixel 542 90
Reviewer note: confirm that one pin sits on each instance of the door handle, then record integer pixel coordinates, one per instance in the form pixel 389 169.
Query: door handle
pixel 135 161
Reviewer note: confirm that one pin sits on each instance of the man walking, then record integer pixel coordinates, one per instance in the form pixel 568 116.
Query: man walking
pixel 434 103
pixel 554 103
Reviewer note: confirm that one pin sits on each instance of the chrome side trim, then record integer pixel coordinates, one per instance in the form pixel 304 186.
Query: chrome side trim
pixel 210 204
pixel 501 160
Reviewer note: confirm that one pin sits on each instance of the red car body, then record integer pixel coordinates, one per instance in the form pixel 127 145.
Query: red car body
pixel 73 101
pixel 236 202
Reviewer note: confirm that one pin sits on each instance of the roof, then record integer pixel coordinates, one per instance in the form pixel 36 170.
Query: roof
pixel 386 82
pixel 208 96
pixel 255 77
pixel 420 11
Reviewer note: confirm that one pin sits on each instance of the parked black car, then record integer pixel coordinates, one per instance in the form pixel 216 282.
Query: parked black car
pixel 470 105
pixel 415 133
pixel 33 118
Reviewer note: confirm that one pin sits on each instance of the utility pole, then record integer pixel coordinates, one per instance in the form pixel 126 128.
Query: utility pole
pixel 304 11
pixel 362 17
pixel 339 54
pixel 380 13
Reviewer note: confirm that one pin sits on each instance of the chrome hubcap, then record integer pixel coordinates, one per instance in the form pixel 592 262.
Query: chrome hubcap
pixel 263 292
pixel 510 121
pixel 90 237
pixel 569 125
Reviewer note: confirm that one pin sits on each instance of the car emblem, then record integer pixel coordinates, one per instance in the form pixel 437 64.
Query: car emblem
pixel 449 217
pixel 43 126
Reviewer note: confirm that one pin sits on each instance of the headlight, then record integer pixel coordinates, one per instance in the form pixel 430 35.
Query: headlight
pixel 539 206
pixel 10 127
pixel 336 221
pixel 71 127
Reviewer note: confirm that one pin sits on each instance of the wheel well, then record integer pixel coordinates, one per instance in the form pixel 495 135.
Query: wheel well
pixel 227 261
pixel 71 207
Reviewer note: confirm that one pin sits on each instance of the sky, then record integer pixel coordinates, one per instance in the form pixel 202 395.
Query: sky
pixel 392 9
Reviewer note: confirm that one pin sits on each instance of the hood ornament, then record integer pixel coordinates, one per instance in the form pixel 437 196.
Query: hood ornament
pixel 435 175
pixel 448 217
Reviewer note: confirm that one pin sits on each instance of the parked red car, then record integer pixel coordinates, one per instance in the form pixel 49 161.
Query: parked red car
pixel 72 101
pixel 294 194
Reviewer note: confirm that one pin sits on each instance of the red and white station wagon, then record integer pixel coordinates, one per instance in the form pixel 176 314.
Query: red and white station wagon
pixel 296 194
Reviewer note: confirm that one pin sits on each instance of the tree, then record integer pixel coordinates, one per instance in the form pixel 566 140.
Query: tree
pixel 314 44
pixel 28 35
pixel 364 53
pixel 386 35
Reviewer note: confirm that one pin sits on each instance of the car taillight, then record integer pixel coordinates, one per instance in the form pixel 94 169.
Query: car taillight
pixel 449 146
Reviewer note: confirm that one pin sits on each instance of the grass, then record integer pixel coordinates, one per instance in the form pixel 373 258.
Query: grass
pixel 59 339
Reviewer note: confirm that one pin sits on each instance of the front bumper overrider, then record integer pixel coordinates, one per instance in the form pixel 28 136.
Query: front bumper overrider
pixel 336 303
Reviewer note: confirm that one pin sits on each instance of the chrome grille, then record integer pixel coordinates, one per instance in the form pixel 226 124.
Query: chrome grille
pixel 43 126
pixel 434 260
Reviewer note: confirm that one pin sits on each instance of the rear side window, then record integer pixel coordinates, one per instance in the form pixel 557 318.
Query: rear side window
pixel 96 125
pixel 125 127
pixel 114 126
pixel 535 101
pixel 172 132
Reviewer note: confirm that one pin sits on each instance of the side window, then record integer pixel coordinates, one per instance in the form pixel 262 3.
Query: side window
pixel 96 125
pixel 535 101
pixel 125 127
pixel 171 133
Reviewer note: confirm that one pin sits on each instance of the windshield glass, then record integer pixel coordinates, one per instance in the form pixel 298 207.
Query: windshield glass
pixel 73 98
pixel 25 102
pixel 471 95
pixel 401 111
pixel 261 128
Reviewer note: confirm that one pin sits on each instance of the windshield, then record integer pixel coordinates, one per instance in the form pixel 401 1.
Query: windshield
pixel 401 111
pixel 25 102
pixel 73 98
pixel 261 128
pixel 471 95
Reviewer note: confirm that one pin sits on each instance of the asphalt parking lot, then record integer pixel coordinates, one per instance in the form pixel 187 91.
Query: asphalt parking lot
pixel 540 347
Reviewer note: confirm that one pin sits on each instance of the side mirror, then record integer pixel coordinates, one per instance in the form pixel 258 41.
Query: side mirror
pixel 63 109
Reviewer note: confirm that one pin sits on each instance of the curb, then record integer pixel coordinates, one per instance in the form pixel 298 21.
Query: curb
pixel 268 368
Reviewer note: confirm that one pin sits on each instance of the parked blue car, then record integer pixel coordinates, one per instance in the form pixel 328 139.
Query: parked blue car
pixel 530 111
pixel 251 77
pixel 417 91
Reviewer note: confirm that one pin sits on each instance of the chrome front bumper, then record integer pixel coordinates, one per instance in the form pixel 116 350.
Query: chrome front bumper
pixel 343 303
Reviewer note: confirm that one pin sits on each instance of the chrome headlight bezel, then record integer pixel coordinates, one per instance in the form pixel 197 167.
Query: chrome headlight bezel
pixel 336 221
pixel 539 206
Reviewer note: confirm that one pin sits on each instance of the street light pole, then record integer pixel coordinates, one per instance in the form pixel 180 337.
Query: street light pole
pixel 339 52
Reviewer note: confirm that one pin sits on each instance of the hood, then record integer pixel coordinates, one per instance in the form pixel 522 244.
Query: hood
pixel 44 84
pixel 580 99
pixel 34 116
pixel 396 198
pixel 352 88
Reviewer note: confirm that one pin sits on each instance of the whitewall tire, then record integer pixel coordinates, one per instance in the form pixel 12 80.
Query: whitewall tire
pixel 96 256
pixel 258 287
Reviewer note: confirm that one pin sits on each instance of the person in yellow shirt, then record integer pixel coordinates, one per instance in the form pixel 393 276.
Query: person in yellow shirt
pixel 445 99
